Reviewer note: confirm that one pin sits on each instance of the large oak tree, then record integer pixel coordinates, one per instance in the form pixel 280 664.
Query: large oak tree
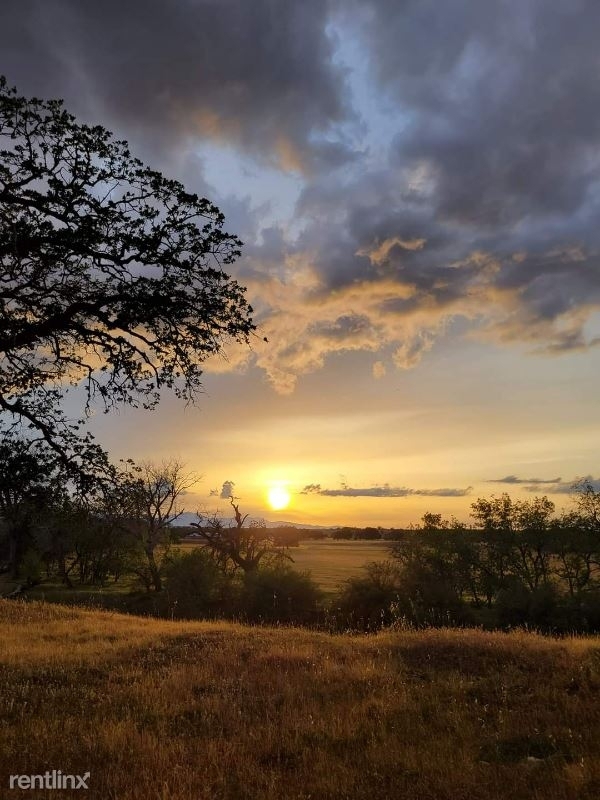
pixel 111 275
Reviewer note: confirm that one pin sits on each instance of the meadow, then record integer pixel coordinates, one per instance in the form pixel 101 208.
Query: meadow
pixel 172 711
pixel 331 562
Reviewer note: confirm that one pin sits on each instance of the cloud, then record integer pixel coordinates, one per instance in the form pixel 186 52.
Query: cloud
pixel 568 488
pixel 379 253
pixel 513 479
pixel 500 140
pixel 379 370
pixel 258 76
pixel 474 195
pixel 549 485
pixel 316 296
pixel 226 492
pixel 485 207
pixel 383 491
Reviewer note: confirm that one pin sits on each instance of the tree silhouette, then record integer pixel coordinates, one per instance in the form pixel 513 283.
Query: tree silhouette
pixel 32 484
pixel 111 274
pixel 150 501
pixel 237 547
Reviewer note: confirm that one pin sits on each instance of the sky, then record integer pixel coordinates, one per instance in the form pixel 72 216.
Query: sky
pixel 417 185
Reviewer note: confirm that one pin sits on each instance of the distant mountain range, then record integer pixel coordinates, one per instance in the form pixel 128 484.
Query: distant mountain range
pixel 188 517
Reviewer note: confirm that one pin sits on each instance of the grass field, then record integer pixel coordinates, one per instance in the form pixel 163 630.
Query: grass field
pixel 332 562
pixel 198 711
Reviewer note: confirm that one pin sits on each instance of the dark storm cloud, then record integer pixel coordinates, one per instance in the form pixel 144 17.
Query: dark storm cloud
pixel 257 75
pixel 500 100
pixel 383 491
pixel 484 205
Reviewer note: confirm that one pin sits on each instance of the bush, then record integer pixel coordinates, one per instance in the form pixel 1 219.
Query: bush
pixel 279 593
pixel 369 602
pixel 196 587
pixel 31 567
pixel 429 598
pixel 590 611
pixel 389 594
pixel 545 610
pixel 581 612
pixel 512 603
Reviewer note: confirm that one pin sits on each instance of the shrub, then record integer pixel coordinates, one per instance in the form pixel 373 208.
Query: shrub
pixel 195 586
pixel 427 597
pixel 545 609
pixel 369 602
pixel 389 594
pixel 278 593
pixel 31 567
pixel 512 603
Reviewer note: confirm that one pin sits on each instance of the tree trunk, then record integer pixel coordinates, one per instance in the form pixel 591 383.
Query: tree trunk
pixel 154 570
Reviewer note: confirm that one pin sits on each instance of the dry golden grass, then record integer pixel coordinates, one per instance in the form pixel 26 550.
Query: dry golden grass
pixel 330 562
pixel 188 711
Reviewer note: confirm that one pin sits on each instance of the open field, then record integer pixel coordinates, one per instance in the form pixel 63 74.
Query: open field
pixel 332 562
pixel 156 709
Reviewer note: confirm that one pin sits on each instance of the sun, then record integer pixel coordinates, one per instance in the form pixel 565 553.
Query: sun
pixel 279 498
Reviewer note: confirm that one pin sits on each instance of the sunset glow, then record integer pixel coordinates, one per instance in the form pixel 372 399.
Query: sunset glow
pixel 279 498
pixel 423 266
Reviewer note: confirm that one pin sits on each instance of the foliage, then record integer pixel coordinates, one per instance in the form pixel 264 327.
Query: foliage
pixel 526 565
pixel 150 500
pixel 31 567
pixel 278 593
pixel 32 487
pixel 112 275
pixel 369 602
pixel 195 586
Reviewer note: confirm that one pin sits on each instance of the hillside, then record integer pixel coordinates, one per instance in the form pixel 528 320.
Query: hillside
pixel 158 709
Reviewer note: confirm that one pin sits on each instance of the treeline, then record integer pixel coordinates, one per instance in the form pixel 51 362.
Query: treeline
pixel 369 533
pixel 85 529
pixel 520 564
pixel 284 535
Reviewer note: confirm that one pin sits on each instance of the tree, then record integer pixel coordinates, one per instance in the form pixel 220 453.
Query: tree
pixel 111 274
pixel 587 503
pixel 236 547
pixel 535 526
pixel 577 540
pixel 150 499
pixel 496 517
pixel 32 487
pixel 89 540
pixel 369 601
pixel 441 561
pixel 518 537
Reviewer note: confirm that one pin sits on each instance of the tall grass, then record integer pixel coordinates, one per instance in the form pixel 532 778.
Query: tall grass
pixel 192 711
